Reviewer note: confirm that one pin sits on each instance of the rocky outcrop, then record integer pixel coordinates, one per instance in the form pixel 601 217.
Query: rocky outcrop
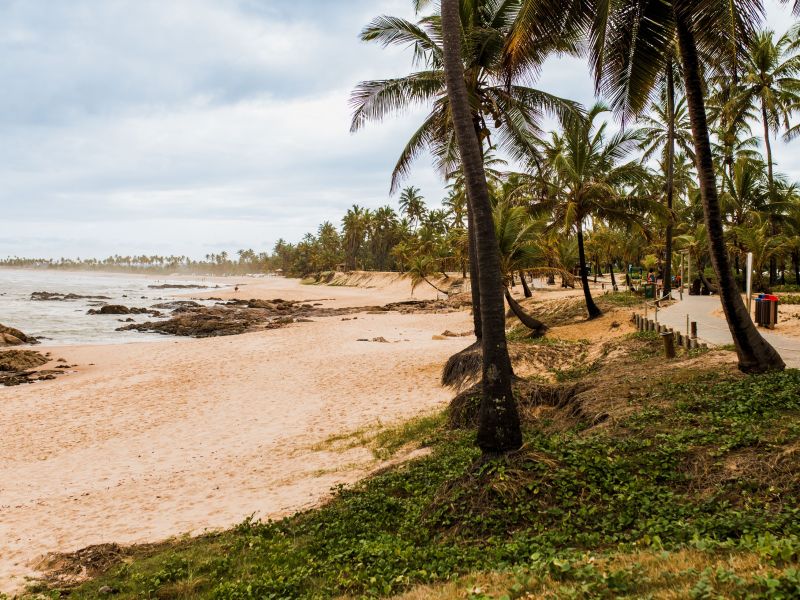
pixel 9 336
pixel 110 309
pixel 207 322
pixel 18 367
pixel 118 309
pixel 241 316
pixel 43 296
pixel 175 304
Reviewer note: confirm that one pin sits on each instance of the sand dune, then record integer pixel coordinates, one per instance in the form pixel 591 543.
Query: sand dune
pixel 358 288
pixel 149 440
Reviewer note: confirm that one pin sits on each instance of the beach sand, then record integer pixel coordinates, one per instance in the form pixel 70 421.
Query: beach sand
pixel 149 440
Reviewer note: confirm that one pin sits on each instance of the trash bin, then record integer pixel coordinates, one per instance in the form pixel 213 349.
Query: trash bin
pixel 767 310
pixel 650 290
pixel 758 312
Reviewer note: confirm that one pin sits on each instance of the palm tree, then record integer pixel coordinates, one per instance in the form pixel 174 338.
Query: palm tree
pixel 667 127
pixel 756 236
pixel 589 182
pixel 770 83
pixel 498 421
pixel 412 205
pixel 354 229
pixel 629 45
pixel 517 235
pixel 508 112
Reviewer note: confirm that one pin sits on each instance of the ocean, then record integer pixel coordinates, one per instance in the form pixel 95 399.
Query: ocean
pixel 64 322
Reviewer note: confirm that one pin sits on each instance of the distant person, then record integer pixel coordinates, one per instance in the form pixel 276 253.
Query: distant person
pixel 651 276
pixel 236 288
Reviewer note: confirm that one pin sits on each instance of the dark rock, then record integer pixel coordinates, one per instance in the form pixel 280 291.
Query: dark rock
pixel 174 304
pixel 15 333
pixel 60 296
pixel 16 367
pixel 110 309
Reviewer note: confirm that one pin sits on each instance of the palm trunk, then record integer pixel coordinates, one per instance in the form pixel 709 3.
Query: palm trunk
pixel 670 175
pixel 768 148
pixel 613 279
pixel 773 263
pixel 591 307
pixel 474 286
pixel 498 420
pixel 755 353
pixel 526 290
pixel 796 264
pixel 537 328
pixel 438 289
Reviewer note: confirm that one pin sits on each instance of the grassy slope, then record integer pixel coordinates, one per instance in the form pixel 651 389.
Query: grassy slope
pixel 691 491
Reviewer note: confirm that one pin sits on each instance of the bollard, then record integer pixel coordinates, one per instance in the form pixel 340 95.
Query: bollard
pixel 693 326
pixel 669 345
pixel 679 339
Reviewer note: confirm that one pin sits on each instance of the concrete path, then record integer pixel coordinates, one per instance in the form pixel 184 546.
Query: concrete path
pixel 714 330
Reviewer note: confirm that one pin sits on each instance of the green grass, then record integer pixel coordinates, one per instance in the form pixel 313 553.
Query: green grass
pixel 618 300
pixel 790 299
pixel 708 465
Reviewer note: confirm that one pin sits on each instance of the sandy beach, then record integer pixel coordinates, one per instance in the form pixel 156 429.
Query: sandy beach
pixel 145 441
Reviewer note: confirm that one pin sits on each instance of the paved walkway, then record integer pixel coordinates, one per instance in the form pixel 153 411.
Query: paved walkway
pixel 714 330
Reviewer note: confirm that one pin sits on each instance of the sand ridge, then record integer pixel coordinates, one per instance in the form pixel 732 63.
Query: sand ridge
pixel 151 440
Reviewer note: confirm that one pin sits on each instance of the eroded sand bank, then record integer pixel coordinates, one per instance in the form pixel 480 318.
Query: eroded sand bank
pixel 149 440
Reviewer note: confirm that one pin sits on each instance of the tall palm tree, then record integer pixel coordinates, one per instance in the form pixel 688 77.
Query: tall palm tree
pixel 770 83
pixel 590 180
pixel 412 205
pixel 498 421
pixel 505 113
pixel 628 43
pixel 667 127
pixel 354 229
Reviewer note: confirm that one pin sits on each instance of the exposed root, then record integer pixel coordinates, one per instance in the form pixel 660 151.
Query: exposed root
pixel 463 409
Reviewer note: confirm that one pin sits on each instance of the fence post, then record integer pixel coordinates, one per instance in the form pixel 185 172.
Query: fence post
pixel 669 344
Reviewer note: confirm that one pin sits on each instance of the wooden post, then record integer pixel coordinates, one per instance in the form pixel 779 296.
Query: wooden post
pixel 669 344
pixel 693 327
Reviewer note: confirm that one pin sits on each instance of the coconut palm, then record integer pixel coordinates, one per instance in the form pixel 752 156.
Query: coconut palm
pixel 756 236
pixel 412 205
pixel 354 230
pixel 517 235
pixel 665 128
pixel 589 182
pixel 629 43
pixel 498 420
pixel 503 112
pixel 770 84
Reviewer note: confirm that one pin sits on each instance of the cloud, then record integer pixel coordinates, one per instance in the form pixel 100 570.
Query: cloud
pixel 192 126
pixel 230 116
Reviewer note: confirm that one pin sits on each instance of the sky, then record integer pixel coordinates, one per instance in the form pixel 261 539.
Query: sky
pixel 194 126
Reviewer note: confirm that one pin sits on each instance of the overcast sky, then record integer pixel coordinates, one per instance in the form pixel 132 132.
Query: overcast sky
pixel 193 126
